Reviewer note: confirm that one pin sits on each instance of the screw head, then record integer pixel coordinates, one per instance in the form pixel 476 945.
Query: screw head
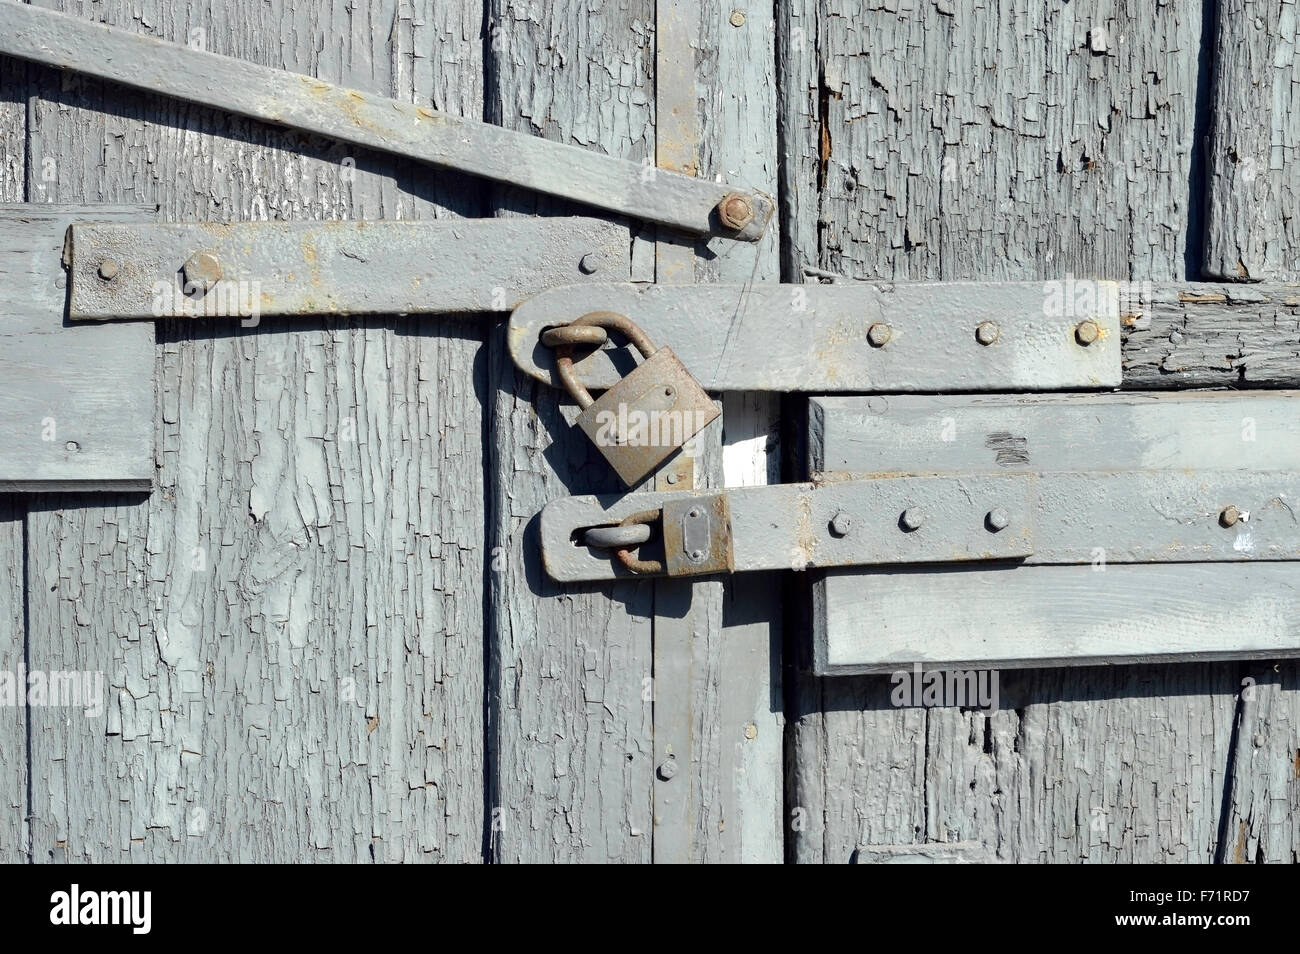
pixel 667 769
pixel 735 211
pixel 108 269
pixel 737 18
pixel 987 332
pixel 911 519
pixel 589 263
pixel 879 334
pixel 201 270
pixel 998 519
pixel 841 524
pixel 1087 332
pixel 1229 516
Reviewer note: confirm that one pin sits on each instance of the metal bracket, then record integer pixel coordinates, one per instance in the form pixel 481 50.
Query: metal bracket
pixel 797 526
pixel 148 270
pixel 699 206
pixel 949 336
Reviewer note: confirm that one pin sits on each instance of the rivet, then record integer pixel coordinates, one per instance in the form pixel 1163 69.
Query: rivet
pixel 108 269
pixel 997 519
pixel 201 271
pixel 735 211
pixel 1087 332
pixel 589 263
pixel 695 512
pixel 841 524
pixel 674 477
pixel 911 519
pixel 667 769
pixel 879 334
pixel 1229 516
pixel 987 333
pixel 72 447
pixel 697 555
pixel 737 18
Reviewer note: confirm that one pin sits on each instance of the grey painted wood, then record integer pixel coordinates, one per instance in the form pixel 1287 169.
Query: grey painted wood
pixel 337 268
pixel 13 715
pixel 78 402
pixel 775 337
pixel 570 673
pixel 1254 144
pixel 348 115
pixel 1073 161
pixel 290 626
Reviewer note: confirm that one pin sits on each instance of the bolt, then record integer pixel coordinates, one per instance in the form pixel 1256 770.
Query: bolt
pixel 1229 516
pixel 201 270
pixel 108 269
pixel 674 477
pixel 737 18
pixel 997 519
pixel 589 263
pixel 667 769
pixel 841 524
pixel 911 519
pixel 695 512
pixel 697 556
pixel 1087 333
pixel 735 211
pixel 987 333
pixel 879 334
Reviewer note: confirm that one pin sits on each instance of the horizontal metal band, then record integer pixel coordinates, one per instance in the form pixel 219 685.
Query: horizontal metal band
pixel 789 526
pixel 389 125
pixel 1095 518
pixel 837 338
pixel 144 270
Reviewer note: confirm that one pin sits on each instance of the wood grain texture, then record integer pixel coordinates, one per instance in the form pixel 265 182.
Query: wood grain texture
pixel 570 677
pixel 1254 176
pixel 289 627
pixel 954 141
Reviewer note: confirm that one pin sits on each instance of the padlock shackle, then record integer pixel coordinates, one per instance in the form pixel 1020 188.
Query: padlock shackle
pixel 563 338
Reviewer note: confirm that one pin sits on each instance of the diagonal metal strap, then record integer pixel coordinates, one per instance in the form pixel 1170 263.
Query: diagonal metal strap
pixel 303 102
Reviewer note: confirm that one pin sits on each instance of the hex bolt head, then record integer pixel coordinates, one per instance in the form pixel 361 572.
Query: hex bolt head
pixel 987 332
pixel 201 270
pixel 589 263
pixel 735 211
pixel 108 269
pixel 1229 516
pixel 841 524
pixel 997 519
pixel 911 519
pixel 879 334
pixel 1087 332
pixel 667 769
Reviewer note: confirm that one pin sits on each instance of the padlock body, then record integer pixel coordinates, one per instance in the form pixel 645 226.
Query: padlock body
pixel 647 416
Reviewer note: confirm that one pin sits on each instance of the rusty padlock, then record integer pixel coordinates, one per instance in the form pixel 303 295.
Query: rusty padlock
pixel 645 418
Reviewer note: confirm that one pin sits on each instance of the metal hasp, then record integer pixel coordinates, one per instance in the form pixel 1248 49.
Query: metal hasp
pixel 149 270
pixel 949 336
pixel 698 206
pixel 1165 527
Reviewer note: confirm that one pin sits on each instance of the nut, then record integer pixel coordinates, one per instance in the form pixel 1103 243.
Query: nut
pixel 911 519
pixel 1229 516
pixel 201 271
pixel 879 334
pixel 998 519
pixel 589 263
pixel 841 524
pixel 1087 332
pixel 735 211
pixel 987 333
pixel 108 269
pixel 667 768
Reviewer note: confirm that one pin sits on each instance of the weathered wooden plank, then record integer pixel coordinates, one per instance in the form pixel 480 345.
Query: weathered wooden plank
pixel 1254 145
pixel 14 833
pixel 1014 142
pixel 78 402
pixel 289 628
pixel 348 115
pixel 571 670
